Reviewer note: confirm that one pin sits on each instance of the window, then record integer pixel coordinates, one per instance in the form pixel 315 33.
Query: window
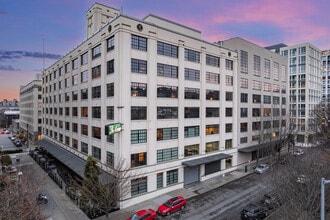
pixel 229 80
pixel 96 72
pixel 267 99
pixel 256 98
pixel 228 144
pixel 267 68
pixel 139 186
pixel 84 59
pixel 110 159
pixel 167 70
pixel 138 113
pixel 172 177
pixel 167 91
pixel 244 83
pixel 191 55
pixel 191 112
pixel 67 97
pixel 139 159
pixel 256 65
pixel 96 92
pixel 110 66
pixel 75 111
pixel 167 154
pixel 84 147
pixel 212 95
pixel 67 111
pixel 191 74
pixel 191 93
pixel 74 95
pixel 229 112
pixel 111 43
pixel 167 112
pixel 243 140
pixel 244 127
pixel 167 133
pixel 167 49
pixel 66 83
pixel 228 128
pixel 256 126
pixel 96 152
pixel 229 96
pixel 66 68
pixel 138 136
pixel 191 150
pixel 276 100
pixel 244 61
pixel 84 130
pixel 256 85
pixel 75 64
pixel 84 94
pixel 75 79
pixel 138 89
pixel 96 132
pixel 244 112
pixel 160 180
pixel 75 127
pixel 212 146
pixel 96 51
pixel 84 76
pixel 256 112
pixel 138 42
pixel 110 89
pixel 110 112
pixel 244 98
pixel 84 112
pixel 212 129
pixel 267 87
pixel 67 126
pixel 212 112
pixel 276 71
pixel 96 112
pixel 212 60
pixel 229 64
pixel 212 78
pixel 138 66
pixel 191 131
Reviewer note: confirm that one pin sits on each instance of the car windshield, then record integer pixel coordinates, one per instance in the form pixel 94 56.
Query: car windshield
pixel 168 204
pixel 134 217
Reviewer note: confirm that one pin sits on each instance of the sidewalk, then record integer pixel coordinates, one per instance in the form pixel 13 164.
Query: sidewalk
pixel 189 191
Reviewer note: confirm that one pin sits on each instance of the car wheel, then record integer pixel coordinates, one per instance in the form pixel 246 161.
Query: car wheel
pixel 182 207
pixel 168 213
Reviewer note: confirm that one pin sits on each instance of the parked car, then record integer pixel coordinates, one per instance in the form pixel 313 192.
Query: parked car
pixel 271 200
pixel 298 152
pixel 2 132
pixel 262 168
pixel 253 211
pixel 13 139
pixel 7 132
pixel 172 205
pixel 145 214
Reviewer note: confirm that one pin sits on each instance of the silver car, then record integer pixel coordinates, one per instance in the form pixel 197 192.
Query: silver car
pixel 262 168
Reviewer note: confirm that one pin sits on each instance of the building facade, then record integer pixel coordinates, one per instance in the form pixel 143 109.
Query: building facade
pixel 304 62
pixel 31 108
pixel 326 83
pixel 175 99
pixel 262 99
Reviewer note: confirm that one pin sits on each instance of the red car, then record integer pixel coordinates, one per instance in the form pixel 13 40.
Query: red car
pixel 145 214
pixel 172 205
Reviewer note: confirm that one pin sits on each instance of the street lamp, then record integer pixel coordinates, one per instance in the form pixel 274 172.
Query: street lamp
pixel 323 182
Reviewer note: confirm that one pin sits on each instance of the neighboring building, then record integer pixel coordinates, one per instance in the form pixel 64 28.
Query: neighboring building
pixel 326 83
pixel 7 116
pixel 175 101
pixel 31 108
pixel 262 98
pixel 8 103
pixel 304 61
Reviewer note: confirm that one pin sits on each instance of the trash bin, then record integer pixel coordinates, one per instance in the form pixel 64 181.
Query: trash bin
pixel 246 168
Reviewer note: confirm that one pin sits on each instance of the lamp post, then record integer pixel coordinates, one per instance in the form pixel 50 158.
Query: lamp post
pixel 323 182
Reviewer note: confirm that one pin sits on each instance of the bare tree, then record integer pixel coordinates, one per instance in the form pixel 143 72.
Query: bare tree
pixel 102 194
pixel 297 185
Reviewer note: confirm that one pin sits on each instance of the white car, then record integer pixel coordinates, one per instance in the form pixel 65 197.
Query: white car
pixel 298 152
pixel 262 168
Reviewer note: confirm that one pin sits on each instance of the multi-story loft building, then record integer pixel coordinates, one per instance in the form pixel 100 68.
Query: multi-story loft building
pixel 304 62
pixel 31 108
pixel 262 99
pixel 152 94
pixel 326 83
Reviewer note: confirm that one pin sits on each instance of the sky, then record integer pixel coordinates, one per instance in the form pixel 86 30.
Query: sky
pixel 36 33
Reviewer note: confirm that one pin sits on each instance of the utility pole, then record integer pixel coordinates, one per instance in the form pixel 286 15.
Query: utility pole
pixel 323 182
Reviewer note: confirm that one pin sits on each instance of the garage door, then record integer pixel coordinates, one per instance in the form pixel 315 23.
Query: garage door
pixel 191 175
pixel 212 167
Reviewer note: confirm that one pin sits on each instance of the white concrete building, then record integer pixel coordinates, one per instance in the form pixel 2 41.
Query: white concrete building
pixel 31 108
pixel 173 98
pixel 304 62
